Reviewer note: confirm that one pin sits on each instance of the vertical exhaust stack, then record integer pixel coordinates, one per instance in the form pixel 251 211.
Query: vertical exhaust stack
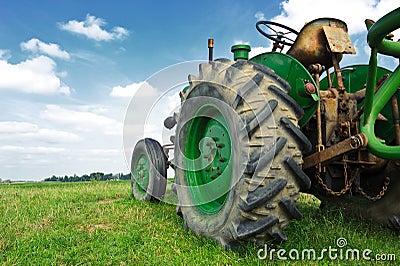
pixel 210 49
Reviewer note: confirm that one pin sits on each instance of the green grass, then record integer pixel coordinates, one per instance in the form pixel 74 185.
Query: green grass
pixel 99 223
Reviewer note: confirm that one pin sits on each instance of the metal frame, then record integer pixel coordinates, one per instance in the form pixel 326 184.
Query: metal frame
pixel 375 103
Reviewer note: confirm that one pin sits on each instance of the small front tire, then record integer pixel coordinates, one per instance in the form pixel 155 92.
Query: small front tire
pixel 148 170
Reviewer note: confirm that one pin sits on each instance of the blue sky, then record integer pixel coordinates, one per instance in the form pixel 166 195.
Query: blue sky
pixel 68 69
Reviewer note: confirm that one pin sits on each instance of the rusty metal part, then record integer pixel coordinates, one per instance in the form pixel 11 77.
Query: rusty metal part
pixel 338 40
pixel 344 130
pixel 331 116
pixel 381 117
pixel 373 198
pixel 311 45
pixel 360 162
pixel 327 94
pixel 347 183
pixel 395 113
pixel 328 75
pixel 379 84
pixel 338 72
pixel 276 45
pixel 351 144
pixel 210 49
pixel 320 146
pixel 359 96
pixel 316 69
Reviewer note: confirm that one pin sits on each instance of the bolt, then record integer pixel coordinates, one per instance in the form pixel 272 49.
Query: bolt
pixel 215 139
pixel 207 169
pixel 220 145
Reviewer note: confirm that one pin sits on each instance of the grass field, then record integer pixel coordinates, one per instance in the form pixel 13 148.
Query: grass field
pixel 99 223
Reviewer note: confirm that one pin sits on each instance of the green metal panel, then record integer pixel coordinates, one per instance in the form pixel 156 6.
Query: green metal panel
pixel 354 79
pixel 297 76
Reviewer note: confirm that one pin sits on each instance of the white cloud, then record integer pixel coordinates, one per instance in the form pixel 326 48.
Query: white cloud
pixel 51 49
pixel 84 121
pixel 91 27
pixel 258 50
pixel 295 13
pixel 13 130
pixel 4 54
pixel 30 150
pixel 140 89
pixel 259 16
pixel 35 75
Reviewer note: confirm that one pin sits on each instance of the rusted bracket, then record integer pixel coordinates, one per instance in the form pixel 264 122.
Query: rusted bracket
pixel 351 144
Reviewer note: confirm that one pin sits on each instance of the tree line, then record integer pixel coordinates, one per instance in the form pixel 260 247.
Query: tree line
pixel 92 177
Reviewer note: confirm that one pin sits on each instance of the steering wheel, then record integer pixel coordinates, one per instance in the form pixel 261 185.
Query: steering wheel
pixel 277 36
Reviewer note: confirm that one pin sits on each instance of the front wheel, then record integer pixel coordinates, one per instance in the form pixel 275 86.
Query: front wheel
pixel 148 170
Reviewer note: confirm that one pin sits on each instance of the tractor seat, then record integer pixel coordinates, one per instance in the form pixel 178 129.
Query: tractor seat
pixel 318 39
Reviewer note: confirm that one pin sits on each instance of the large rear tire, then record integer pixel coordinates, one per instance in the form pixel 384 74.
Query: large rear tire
pixel 248 190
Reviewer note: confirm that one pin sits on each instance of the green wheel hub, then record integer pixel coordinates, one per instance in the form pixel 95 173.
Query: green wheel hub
pixel 208 159
pixel 141 173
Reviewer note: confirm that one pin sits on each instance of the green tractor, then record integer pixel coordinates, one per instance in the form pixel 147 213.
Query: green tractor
pixel 251 134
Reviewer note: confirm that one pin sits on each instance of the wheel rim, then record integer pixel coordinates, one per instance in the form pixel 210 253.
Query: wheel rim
pixel 141 174
pixel 208 148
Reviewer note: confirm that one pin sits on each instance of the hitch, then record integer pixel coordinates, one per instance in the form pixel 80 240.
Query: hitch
pixel 348 145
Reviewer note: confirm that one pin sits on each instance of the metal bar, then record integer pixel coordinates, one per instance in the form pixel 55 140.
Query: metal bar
pixel 319 119
pixel 328 75
pixel 370 87
pixel 379 101
pixel 395 113
pixel 338 72
pixel 351 144
pixel 378 31
pixel 320 146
